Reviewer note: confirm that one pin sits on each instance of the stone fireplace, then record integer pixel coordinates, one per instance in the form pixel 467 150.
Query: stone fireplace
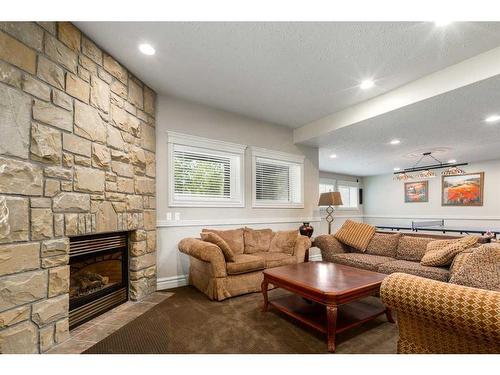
pixel 77 158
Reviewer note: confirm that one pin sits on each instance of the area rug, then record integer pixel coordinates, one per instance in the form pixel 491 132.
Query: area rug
pixel 188 322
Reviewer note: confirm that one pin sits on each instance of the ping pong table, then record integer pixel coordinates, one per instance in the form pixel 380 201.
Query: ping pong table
pixel 438 226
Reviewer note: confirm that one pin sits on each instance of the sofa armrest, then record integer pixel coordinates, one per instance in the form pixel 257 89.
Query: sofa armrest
pixel 435 305
pixel 301 245
pixel 329 246
pixel 207 252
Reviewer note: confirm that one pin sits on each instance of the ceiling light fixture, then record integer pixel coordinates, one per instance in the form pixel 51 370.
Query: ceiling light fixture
pixel 397 169
pixel 333 156
pixel 366 84
pixel 425 171
pixel 147 49
pixel 492 118
pixel 395 142
pixel 442 23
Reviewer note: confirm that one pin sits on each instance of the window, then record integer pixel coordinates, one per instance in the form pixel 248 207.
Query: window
pixel 326 185
pixel 277 179
pixel 204 172
pixel 349 193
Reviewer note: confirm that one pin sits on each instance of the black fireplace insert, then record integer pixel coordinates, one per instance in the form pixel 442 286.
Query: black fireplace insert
pixel 98 275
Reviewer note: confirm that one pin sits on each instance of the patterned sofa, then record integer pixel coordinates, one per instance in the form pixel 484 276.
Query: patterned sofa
pixel 387 252
pixel 438 317
pixel 255 250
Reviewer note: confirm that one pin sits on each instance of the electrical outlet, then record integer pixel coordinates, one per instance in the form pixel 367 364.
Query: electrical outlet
pixel 169 215
pixel 177 216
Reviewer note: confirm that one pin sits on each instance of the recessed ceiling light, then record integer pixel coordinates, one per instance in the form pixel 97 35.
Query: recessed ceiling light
pixel 366 84
pixel 147 49
pixel 333 156
pixel 397 169
pixel 492 118
pixel 395 142
pixel 442 23
pixel 452 161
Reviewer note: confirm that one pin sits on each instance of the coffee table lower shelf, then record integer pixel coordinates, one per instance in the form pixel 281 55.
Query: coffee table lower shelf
pixel 314 315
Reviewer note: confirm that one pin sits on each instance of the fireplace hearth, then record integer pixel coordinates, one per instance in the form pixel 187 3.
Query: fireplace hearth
pixel 98 275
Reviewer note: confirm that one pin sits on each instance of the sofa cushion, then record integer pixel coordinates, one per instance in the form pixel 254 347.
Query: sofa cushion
pixel 364 261
pixel 356 235
pixel 244 263
pixel 219 241
pixel 233 237
pixel 412 248
pixel 442 252
pixel 284 241
pixel 459 260
pixel 481 269
pixel 257 240
pixel 384 244
pixel 415 268
pixel 276 259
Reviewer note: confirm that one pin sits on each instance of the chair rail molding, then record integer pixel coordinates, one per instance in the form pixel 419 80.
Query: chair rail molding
pixel 236 221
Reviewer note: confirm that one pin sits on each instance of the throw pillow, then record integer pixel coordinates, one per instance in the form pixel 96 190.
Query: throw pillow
pixel 441 253
pixel 284 242
pixel 459 260
pixel 217 240
pixel 356 235
pixel 412 248
pixel 257 240
pixel 384 244
pixel 233 237
pixel 481 269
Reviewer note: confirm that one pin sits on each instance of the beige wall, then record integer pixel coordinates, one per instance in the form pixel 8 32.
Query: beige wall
pixel 194 119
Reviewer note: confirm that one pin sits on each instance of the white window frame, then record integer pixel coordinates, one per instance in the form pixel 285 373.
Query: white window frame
pixel 349 184
pixel 281 158
pixel 234 151
pixel 328 181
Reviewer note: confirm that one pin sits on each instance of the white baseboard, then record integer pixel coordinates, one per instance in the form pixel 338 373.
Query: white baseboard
pixel 172 282
pixel 315 257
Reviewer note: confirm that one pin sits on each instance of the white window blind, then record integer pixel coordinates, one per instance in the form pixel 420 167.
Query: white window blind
pixel 277 183
pixel 326 185
pixel 205 173
pixel 349 193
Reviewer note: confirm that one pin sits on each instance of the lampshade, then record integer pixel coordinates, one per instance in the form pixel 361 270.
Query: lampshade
pixel 331 198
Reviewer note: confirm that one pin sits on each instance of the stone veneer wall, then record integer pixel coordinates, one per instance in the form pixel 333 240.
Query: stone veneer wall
pixel 77 156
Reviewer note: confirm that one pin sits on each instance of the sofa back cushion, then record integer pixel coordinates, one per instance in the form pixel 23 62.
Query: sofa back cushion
pixel 219 241
pixel 257 240
pixel 233 237
pixel 412 248
pixel 384 245
pixel 480 269
pixel 442 252
pixel 284 241
pixel 356 235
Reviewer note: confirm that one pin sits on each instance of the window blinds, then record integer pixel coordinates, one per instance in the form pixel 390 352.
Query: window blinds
pixel 277 181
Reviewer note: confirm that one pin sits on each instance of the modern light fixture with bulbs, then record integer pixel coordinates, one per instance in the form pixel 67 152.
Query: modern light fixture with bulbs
pixel 366 84
pixel 147 49
pixel 426 171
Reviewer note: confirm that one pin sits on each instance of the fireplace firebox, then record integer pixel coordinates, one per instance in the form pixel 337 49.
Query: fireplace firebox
pixel 98 275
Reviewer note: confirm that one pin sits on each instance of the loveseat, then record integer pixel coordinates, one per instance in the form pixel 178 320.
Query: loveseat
pixel 253 251
pixel 387 252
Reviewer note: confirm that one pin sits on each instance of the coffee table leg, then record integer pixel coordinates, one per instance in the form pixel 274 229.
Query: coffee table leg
pixel 263 287
pixel 331 317
pixel 388 314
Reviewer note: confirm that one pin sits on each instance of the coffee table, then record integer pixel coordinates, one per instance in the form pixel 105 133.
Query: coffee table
pixel 327 296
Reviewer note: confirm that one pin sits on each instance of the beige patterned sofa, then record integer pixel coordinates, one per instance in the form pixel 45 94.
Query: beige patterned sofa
pixel 387 252
pixel 254 251
pixel 438 317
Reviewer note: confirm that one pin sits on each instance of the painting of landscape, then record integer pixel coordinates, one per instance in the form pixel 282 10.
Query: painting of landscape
pixel 463 190
pixel 416 192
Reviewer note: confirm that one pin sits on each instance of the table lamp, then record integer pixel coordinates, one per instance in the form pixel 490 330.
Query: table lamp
pixel 330 199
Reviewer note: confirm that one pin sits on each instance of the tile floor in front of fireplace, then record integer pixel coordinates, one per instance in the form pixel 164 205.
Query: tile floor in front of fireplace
pixel 95 330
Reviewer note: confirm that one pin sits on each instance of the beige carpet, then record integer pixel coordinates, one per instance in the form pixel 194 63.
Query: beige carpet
pixel 190 323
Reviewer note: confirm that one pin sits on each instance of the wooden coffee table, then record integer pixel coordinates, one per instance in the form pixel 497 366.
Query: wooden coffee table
pixel 327 296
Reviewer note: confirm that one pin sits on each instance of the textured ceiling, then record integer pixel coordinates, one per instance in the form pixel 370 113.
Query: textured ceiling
pixel 287 73
pixel 452 124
